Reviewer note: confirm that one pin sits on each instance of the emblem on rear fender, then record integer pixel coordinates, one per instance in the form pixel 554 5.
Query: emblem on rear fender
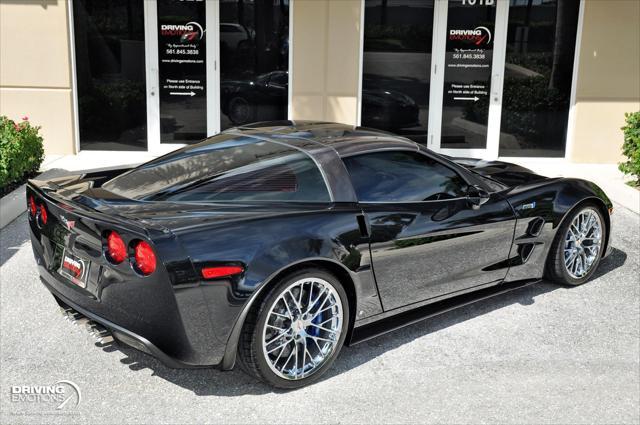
pixel 69 223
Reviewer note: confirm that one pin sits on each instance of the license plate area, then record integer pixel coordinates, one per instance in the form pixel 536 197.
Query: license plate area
pixel 74 268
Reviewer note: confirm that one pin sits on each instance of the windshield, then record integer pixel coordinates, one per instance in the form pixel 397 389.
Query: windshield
pixel 226 167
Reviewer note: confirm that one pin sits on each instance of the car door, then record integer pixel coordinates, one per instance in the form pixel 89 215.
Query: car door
pixel 427 241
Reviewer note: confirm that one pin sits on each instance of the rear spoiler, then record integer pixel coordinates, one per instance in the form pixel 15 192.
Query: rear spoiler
pixel 55 192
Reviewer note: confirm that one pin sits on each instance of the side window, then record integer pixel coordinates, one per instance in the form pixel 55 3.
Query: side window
pixel 399 176
pixel 294 177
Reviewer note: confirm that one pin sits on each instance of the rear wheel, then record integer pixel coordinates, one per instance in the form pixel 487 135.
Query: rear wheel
pixel 577 249
pixel 294 336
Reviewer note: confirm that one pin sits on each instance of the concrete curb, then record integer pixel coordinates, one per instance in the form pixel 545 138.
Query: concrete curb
pixel 12 205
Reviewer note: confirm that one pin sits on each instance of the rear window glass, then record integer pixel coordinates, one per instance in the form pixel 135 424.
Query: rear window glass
pixel 227 167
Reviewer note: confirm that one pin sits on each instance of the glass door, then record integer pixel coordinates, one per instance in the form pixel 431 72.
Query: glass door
pixel 109 40
pixel 467 77
pixel 396 66
pixel 539 69
pixel 212 65
pixel 254 61
pixel 182 77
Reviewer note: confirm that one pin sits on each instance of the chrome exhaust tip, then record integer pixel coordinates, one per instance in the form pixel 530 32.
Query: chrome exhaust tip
pixel 96 330
pixel 73 317
pixel 106 339
pixel 65 312
pixel 99 332
pixel 81 321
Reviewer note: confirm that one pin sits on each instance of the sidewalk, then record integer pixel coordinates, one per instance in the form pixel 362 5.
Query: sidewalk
pixel 93 160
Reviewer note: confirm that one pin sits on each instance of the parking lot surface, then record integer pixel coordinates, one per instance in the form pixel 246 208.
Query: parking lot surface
pixel 542 354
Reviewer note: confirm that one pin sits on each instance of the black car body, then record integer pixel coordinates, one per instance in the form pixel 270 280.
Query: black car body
pixel 398 261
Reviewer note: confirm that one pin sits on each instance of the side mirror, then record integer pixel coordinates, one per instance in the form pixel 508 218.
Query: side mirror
pixel 477 196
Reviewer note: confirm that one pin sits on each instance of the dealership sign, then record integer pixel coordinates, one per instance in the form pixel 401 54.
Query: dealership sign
pixel 182 70
pixel 469 54
pixel 480 36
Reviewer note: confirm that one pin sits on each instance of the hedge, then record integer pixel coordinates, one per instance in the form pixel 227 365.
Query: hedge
pixel 631 146
pixel 21 150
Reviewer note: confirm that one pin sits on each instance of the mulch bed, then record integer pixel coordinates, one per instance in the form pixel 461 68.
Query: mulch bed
pixel 12 186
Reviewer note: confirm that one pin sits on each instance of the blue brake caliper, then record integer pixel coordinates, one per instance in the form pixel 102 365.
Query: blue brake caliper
pixel 316 321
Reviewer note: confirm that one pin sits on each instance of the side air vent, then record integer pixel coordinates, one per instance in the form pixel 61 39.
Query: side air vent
pixel 535 227
pixel 524 251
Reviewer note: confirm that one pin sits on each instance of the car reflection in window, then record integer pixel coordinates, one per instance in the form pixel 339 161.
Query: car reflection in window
pixel 265 97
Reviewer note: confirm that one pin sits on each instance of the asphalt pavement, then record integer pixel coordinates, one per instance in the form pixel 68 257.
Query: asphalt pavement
pixel 543 354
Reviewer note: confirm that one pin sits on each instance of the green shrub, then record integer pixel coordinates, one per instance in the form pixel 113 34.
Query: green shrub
pixel 631 146
pixel 21 151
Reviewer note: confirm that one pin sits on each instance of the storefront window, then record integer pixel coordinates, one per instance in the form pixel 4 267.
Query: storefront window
pixel 538 74
pixel 397 66
pixel 254 61
pixel 110 71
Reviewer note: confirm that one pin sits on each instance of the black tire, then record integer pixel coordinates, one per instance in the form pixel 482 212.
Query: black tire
pixel 253 359
pixel 556 270
pixel 241 111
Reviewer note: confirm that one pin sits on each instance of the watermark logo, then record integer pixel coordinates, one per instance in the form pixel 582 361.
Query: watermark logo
pixel 63 394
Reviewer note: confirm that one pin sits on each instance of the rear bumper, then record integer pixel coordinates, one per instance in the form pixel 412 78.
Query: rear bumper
pixel 119 332
pixel 182 321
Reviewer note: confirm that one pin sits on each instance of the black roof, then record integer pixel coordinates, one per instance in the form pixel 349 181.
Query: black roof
pixel 343 138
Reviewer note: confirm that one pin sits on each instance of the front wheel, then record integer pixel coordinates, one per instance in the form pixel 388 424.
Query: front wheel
pixel 297 332
pixel 577 249
pixel 241 111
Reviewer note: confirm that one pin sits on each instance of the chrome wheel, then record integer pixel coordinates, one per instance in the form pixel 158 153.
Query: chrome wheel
pixel 582 243
pixel 303 328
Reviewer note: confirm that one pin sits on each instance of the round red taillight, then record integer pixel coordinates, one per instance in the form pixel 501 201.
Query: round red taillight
pixel 32 206
pixel 145 258
pixel 116 249
pixel 43 214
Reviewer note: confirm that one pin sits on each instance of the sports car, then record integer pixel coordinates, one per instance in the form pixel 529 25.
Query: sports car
pixel 273 245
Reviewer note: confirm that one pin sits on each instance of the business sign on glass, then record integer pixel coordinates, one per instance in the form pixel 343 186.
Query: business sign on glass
pixel 182 70
pixel 467 74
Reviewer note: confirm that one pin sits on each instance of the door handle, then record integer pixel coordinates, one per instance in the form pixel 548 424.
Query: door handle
pixel 495 92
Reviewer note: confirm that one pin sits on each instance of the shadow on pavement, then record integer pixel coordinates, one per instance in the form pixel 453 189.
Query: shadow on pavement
pixel 616 259
pixel 13 237
pixel 207 382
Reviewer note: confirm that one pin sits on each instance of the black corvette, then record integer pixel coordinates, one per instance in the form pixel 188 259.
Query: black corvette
pixel 273 245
